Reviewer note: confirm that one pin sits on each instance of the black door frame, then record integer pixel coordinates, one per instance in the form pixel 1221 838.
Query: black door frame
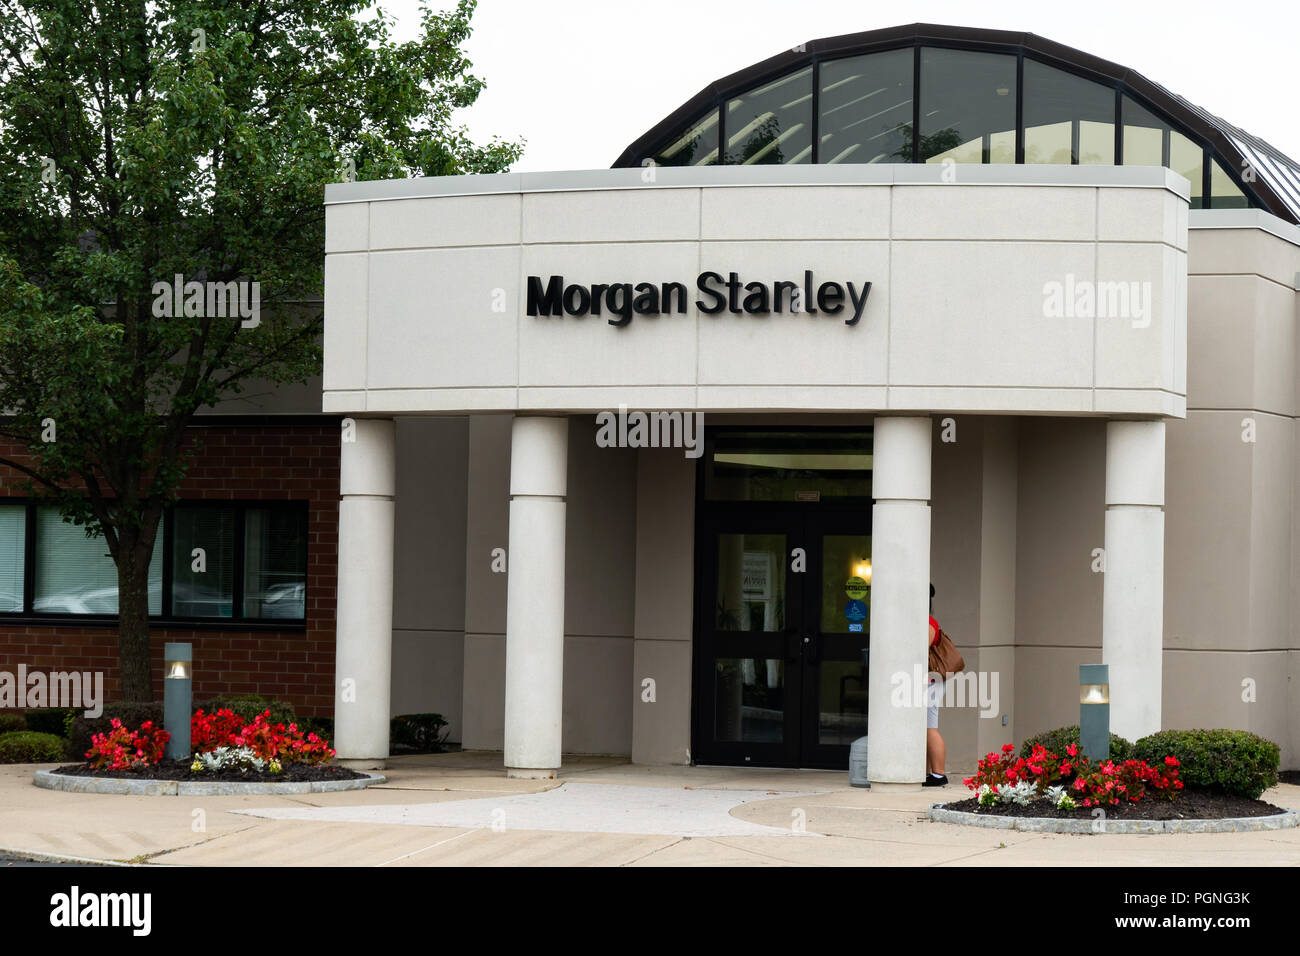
pixel 799 747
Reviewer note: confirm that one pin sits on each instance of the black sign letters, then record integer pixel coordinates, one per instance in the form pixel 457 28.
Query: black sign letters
pixel 622 300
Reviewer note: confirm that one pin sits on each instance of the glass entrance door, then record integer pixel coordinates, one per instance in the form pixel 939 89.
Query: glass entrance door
pixel 834 711
pixel 752 623
pixel 784 608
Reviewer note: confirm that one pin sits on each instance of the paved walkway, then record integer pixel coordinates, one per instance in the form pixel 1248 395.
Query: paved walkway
pixel 571 807
pixel 461 810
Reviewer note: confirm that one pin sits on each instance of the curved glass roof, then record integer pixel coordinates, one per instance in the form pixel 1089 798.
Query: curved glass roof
pixel 933 94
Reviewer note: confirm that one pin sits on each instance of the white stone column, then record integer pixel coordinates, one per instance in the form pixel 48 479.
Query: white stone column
pixel 539 452
pixel 900 601
pixel 364 636
pixel 1133 590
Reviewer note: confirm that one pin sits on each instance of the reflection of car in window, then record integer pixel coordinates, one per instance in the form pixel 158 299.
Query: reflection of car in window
pixel 89 601
pixel 284 601
pixel 197 600
pixel 287 601
pixel 9 601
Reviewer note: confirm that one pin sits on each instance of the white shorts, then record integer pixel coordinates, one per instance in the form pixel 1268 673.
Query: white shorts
pixel 933 695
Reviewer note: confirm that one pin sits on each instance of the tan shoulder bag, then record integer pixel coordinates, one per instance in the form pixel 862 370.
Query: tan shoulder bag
pixel 945 659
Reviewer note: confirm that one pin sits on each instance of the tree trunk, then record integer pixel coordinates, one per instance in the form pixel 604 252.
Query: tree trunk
pixel 133 618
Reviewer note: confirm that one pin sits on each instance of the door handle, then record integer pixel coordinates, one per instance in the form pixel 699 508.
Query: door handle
pixel 810 648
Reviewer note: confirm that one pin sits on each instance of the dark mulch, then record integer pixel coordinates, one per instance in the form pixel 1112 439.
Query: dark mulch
pixel 180 770
pixel 1190 804
pixel 1289 776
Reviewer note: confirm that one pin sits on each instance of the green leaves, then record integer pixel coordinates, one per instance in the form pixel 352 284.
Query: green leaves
pixel 141 141
pixel 1231 761
pixel 144 141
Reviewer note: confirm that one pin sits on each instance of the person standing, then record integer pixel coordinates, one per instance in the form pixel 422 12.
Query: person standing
pixel 935 751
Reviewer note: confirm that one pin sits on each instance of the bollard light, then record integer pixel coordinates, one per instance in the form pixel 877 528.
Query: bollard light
pixel 1094 711
pixel 177 691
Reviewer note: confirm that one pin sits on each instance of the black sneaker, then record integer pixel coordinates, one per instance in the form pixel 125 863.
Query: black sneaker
pixel 932 781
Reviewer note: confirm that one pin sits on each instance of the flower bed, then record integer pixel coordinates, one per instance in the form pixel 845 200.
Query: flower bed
pixel 1192 804
pixel 1069 786
pixel 1070 782
pixel 224 747
pixel 183 770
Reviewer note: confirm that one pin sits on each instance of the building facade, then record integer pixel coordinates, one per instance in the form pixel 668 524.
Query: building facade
pixel 1041 354
pixel 661 460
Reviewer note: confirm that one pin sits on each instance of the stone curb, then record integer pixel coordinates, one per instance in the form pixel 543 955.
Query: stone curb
pixel 49 780
pixel 38 856
pixel 1278 821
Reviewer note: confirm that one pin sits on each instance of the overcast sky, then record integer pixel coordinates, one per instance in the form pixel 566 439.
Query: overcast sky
pixel 581 79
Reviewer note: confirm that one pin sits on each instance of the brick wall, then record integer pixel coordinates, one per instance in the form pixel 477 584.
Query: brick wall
pixel 253 464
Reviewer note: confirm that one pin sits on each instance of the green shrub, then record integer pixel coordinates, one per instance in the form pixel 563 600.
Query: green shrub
pixel 322 727
pixel 422 733
pixel 11 722
pixel 49 720
pixel 28 746
pixel 248 706
pixel 1057 740
pixel 1230 761
pixel 131 716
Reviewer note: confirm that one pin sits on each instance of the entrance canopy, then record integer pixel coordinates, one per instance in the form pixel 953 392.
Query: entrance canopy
pixel 1012 289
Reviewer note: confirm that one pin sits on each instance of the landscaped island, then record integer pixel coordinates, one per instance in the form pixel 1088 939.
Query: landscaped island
pixel 225 747
pixel 1171 775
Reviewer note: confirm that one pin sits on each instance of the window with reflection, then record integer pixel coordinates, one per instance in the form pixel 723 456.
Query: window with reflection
pixel 13 540
pixel 968 106
pixel 698 146
pixel 275 562
pixel 1068 120
pixel 1187 159
pixel 762 465
pixel 867 105
pixel 749 700
pixel 773 123
pixel 203 561
pixel 1225 194
pixel 1145 136
pixel 866 109
pixel 751 582
pixel 76 575
pixel 220 561
pixel 1149 141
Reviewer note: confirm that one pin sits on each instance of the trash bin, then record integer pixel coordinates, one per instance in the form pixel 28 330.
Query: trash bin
pixel 858 749
pixel 858 763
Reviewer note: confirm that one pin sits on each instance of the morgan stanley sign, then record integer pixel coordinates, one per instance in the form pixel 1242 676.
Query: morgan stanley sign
pixel 718 294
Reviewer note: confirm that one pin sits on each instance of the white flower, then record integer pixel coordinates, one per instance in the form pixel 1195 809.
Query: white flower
pixel 232 758
pixel 1022 792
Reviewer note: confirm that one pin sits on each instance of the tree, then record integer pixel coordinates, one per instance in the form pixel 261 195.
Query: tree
pixel 142 140
pixel 936 144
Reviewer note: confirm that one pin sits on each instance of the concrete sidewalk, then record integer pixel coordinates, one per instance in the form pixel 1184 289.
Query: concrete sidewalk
pixel 461 810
